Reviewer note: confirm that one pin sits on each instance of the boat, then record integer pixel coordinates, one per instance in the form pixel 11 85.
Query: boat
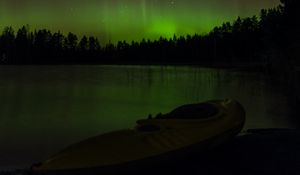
pixel 188 128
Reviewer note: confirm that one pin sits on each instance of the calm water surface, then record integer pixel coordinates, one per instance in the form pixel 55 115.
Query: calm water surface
pixel 45 108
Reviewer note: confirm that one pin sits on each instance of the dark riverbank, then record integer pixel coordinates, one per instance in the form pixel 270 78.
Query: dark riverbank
pixel 255 152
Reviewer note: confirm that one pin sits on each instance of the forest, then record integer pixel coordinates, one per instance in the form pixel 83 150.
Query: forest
pixel 272 38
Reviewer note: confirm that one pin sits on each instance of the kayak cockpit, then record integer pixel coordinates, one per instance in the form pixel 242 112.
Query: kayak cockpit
pixel 192 111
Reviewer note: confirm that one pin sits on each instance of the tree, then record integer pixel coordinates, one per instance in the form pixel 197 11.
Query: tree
pixel 236 28
pixel 83 44
pixel 23 44
pixel 7 45
pixel 22 37
pixel 57 41
pixel 291 32
pixel 94 44
pixel 71 42
pixel 42 39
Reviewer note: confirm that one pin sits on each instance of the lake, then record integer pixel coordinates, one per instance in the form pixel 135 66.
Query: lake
pixel 45 108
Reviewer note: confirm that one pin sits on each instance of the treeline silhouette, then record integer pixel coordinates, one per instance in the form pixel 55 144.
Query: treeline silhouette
pixel 270 38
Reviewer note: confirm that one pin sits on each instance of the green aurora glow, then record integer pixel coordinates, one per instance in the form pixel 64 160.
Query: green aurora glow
pixel 127 19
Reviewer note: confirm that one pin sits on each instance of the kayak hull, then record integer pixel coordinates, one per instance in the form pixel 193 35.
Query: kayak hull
pixel 150 165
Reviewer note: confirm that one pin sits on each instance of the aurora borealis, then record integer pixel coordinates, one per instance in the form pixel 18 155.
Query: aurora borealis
pixel 127 19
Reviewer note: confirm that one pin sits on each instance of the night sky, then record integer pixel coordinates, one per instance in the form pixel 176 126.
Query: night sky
pixel 127 19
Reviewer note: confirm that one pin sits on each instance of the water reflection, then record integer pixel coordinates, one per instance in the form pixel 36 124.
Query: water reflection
pixel 44 108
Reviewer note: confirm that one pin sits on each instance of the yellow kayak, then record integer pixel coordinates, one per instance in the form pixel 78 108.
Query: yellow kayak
pixel 204 125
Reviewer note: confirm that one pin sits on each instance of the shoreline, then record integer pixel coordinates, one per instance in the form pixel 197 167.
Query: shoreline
pixel 242 66
pixel 255 151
